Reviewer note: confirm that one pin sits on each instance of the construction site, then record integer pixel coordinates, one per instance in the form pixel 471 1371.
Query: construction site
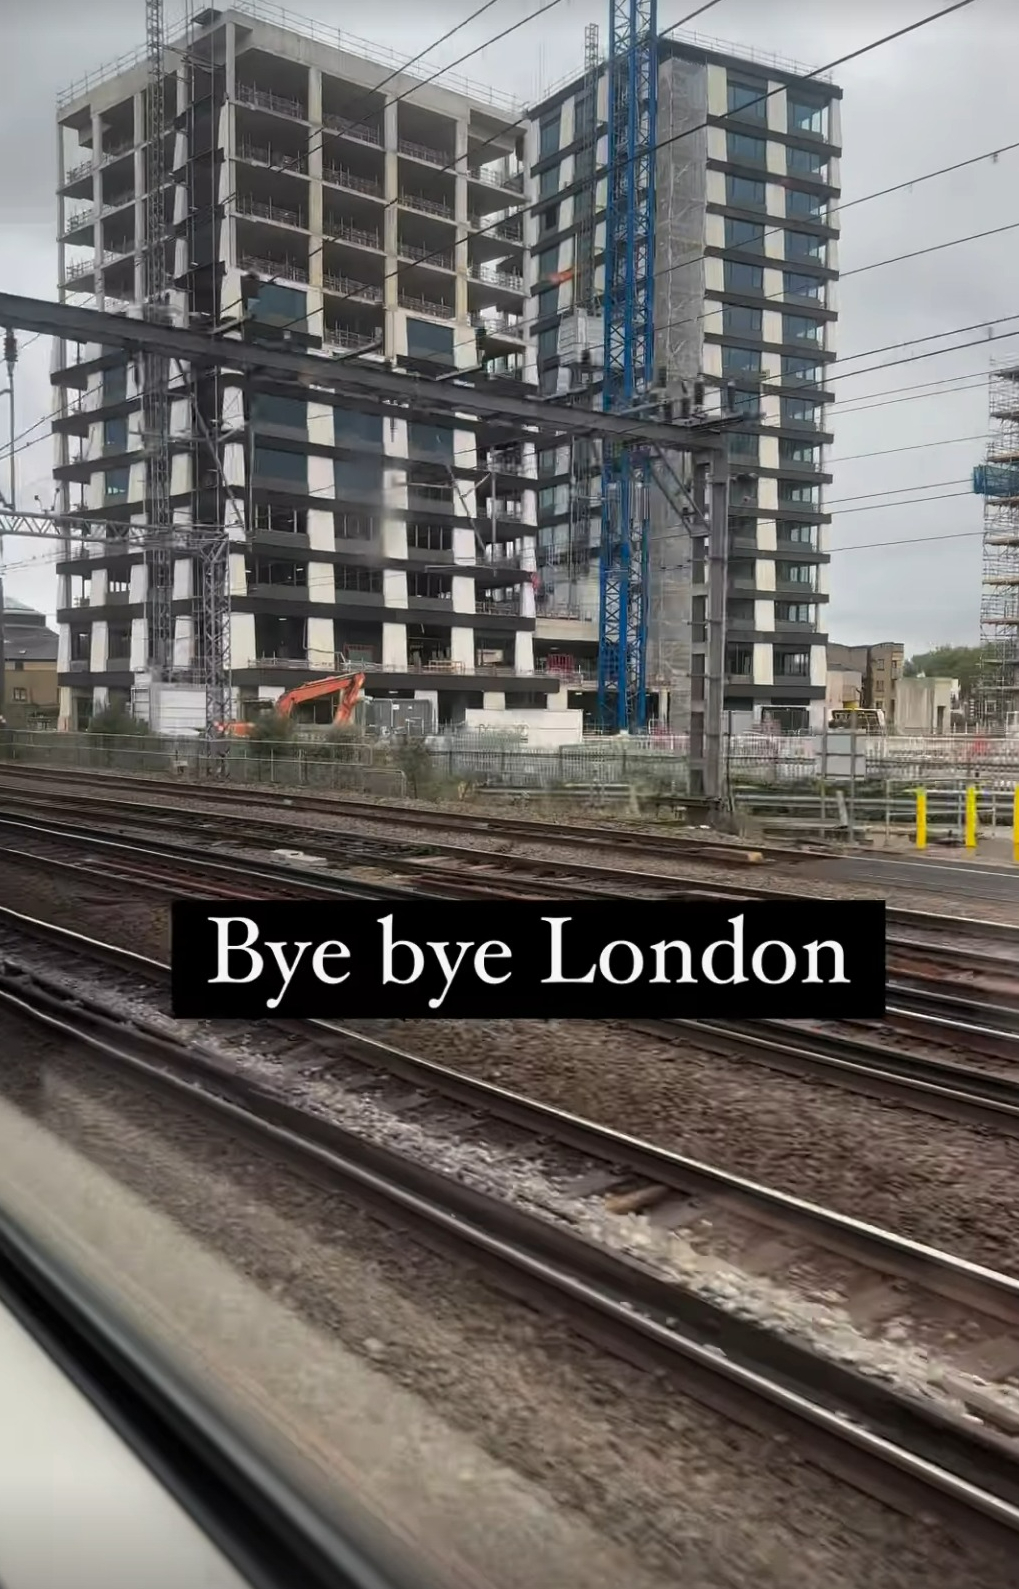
pixel 231 533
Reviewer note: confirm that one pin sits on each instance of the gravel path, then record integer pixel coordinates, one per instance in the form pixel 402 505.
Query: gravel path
pixel 700 1501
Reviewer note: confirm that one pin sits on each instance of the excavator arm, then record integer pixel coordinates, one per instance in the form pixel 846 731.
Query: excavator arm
pixel 347 686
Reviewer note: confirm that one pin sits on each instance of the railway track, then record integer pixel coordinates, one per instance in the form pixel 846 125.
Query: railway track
pixel 908 1450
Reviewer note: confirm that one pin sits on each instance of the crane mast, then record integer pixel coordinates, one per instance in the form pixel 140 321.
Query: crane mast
pixel 628 361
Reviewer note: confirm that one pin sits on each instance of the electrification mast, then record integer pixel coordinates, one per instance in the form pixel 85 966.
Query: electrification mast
pixel 628 360
pixel 156 368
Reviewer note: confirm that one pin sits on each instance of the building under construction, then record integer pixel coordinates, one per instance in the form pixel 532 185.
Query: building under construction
pixel 997 481
pixel 262 177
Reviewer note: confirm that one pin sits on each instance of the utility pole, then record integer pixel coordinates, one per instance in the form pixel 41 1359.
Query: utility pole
pixel 10 359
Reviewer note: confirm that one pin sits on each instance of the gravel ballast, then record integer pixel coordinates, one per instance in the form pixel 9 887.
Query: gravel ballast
pixel 691 1498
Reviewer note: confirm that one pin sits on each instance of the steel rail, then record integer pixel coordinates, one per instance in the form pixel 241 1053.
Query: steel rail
pixel 956 1279
pixel 902 1449
pixel 937 1086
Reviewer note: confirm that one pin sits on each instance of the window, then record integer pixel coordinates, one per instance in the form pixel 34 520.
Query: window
pixel 748 403
pixel 115 435
pixel 742 149
pixel 548 182
pixel 740 321
pixel 798 574
pixel 265 571
pixel 741 361
pixel 807 161
pixel 748 99
pixel 801 245
pixel 356 430
pixel 117 482
pixel 744 444
pixel 115 384
pixel 285 413
pixel 548 343
pixel 792 664
pixel 799 202
pixel 427 341
pixel 548 136
pixel 744 234
pixel 795 285
pixel 278 305
pixel 550 219
pixel 273 463
pixel 742 278
pixel 740 612
pixel 279 520
pixel 430 537
pixel 430 587
pixel 743 193
pixel 354 526
pixel 798 452
pixel 436 441
pixel 798 328
pixel 800 411
pixel 357 477
pixel 366 580
pixel 743 529
pixel 548 264
pixel 743 571
pixel 547 461
pixel 801 372
pixel 804 496
pixel 788 533
pixel 19 694
pixel 807 117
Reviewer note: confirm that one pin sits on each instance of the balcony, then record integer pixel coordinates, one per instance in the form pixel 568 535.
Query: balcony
pixel 497 278
pixel 340 337
pixel 265 99
pixel 426 206
pixel 426 254
pixel 342 232
pixel 510 231
pixel 359 131
pixel 423 151
pixel 495 179
pixel 79 220
pixel 427 306
pixel 265 155
pixel 268 210
pixel 283 269
pixel 340 177
pixel 116 151
pixel 362 291
pixel 77 173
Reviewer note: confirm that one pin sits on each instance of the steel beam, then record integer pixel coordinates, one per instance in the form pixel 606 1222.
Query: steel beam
pixel 366 383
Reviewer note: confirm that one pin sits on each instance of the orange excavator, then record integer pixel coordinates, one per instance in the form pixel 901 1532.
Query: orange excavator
pixel 348 686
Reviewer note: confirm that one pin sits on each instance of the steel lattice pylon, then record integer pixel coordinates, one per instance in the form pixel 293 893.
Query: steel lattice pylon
pixel 629 359
pixel 156 370
pixel 997 482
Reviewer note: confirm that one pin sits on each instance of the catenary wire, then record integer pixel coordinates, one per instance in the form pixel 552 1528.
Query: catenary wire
pixel 688 132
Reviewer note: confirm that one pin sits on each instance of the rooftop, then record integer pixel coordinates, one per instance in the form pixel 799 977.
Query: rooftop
pixel 281 17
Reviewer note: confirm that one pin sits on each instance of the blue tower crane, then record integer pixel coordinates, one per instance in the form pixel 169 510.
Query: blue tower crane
pixel 628 360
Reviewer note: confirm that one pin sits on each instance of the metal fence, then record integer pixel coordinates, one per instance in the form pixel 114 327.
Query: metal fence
pixel 353 767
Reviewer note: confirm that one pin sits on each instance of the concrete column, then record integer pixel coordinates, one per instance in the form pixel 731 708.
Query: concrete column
pixel 390 225
pixel 97 148
pixel 523 651
pixel 315 197
pixel 460 207
pixel 139 196
pixel 462 647
pixel 394 646
pixel 321 634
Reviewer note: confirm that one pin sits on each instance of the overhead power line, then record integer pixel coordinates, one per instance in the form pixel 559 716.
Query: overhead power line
pixel 917 446
pixel 689 131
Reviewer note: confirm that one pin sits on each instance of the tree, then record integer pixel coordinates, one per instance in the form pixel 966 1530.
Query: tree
pixel 952 662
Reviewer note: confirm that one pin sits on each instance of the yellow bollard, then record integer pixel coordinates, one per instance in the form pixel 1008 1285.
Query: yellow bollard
pixel 921 817
pixel 971 818
pixel 1015 825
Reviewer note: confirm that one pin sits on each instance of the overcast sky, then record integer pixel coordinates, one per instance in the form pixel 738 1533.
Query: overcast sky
pixel 940 95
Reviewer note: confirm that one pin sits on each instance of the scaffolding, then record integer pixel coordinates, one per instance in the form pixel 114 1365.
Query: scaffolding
pixel 156 369
pixel 997 481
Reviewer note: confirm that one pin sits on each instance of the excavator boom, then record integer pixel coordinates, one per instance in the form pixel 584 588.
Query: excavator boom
pixel 348 686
